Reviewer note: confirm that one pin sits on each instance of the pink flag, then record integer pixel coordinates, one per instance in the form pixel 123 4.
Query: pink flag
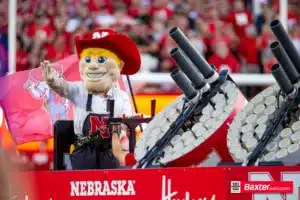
pixel 31 107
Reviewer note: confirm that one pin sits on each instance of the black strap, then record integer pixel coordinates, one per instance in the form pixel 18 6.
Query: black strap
pixel 89 103
pixel 108 105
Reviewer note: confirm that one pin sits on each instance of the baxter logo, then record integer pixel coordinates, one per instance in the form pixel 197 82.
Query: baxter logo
pixel 284 176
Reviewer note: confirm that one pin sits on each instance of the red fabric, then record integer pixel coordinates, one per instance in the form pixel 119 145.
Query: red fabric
pixel 60 47
pixel 230 62
pixel 118 43
pixel 22 61
pixel 4 22
pixel 66 37
pixel 208 39
pixel 212 27
pixel 225 38
pixel 134 12
pixel 127 2
pixel 93 7
pixel 48 30
pixel 32 29
pixel 292 16
pixel 129 159
pixel 240 21
pixel 208 42
pixel 27 110
pixel 164 11
pixel 4 28
pixel 56 54
pixel 248 50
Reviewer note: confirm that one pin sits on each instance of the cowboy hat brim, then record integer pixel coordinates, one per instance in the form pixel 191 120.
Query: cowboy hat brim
pixel 119 44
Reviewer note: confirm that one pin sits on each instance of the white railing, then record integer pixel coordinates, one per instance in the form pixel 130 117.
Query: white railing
pixel 12 36
pixel 239 79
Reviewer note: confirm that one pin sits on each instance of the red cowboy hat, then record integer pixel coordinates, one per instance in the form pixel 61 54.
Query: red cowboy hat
pixel 117 43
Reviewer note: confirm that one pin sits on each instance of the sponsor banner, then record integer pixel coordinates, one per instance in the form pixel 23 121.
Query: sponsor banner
pixel 150 184
pixel 274 175
pixel 261 187
pixel 215 183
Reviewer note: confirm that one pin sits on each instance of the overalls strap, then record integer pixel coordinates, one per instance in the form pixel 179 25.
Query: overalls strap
pixel 89 103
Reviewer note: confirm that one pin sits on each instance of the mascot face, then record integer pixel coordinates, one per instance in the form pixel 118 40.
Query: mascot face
pixel 100 69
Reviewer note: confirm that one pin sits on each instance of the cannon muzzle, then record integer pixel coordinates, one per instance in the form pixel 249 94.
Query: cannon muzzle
pixel 183 83
pixel 284 61
pixel 285 40
pixel 188 68
pixel 282 79
pixel 197 59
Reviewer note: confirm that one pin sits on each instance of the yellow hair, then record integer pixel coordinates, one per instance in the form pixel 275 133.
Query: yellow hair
pixel 98 52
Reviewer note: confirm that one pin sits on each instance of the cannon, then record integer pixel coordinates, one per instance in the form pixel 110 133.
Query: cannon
pixel 267 129
pixel 193 128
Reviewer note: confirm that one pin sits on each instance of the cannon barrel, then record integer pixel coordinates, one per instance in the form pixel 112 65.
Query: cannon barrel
pixel 284 61
pixel 183 83
pixel 187 68
pixel 197 59
pixel 285 40
pixel 282 79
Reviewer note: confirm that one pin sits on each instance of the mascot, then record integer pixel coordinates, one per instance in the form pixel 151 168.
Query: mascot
pixel 103 56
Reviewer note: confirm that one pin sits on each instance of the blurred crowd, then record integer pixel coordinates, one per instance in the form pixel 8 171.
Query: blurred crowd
pixel 226 32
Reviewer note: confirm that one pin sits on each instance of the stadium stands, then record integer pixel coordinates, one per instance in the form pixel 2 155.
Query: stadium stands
pixel 221 29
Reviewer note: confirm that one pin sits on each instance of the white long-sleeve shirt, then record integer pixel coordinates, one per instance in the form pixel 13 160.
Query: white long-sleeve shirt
pixel 78 94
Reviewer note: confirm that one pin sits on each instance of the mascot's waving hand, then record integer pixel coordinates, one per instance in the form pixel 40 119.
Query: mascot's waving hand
pixel 103 56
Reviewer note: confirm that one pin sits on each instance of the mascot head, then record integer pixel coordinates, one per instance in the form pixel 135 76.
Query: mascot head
pixel 103 56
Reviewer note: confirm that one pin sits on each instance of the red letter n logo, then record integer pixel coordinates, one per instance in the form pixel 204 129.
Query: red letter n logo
pixel 97 125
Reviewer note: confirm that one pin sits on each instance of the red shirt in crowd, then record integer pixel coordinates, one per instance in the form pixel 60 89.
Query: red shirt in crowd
pixel 230 62
pixel 94 7
pixel 32 29
pixel 67 38
pixel 240 21
pixel 208 38
pixel 134 11
pixel 247 48
pixel 56 54
pixel 22 61
pixel 210 42
pixel 168 13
